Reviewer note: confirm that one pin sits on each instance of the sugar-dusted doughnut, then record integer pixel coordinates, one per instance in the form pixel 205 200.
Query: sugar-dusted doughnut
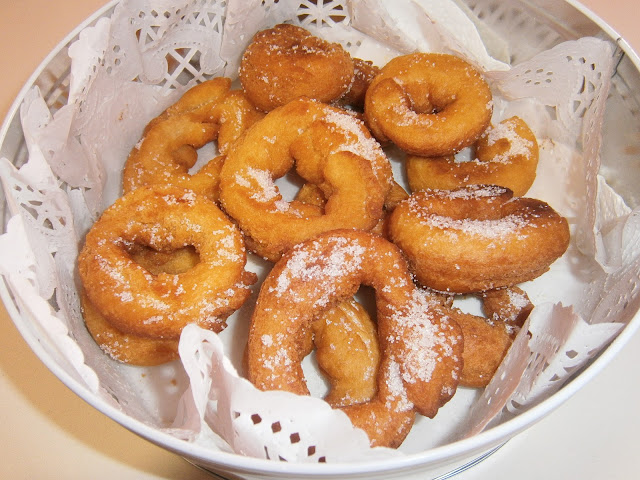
pixel 287 62
pixel 168 148
pixel 477 238
pixel 420 346
pixel 164 218
pixel 328 148
pixel 428 104
pixel 506 154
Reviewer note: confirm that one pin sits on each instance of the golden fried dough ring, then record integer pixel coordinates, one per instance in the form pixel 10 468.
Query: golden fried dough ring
pixel 164 218
pixel 287 62
pixel 168 148
pixel 347 353
pixel 124 347
pixel 477 238
pixel 364 73
pixel 506 155
pixel 428 104
pixel 420 347
pixel 329 149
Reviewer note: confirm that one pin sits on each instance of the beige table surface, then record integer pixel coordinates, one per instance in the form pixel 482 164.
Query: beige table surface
pixel 46 432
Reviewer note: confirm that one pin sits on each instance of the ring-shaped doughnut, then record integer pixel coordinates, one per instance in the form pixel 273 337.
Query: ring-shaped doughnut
pixel 420 346
pixel 168 148
pixel 506 155
pixel 328 148
pixel 477 237
pixel 164 218
pixel 428 104
pixel 287 62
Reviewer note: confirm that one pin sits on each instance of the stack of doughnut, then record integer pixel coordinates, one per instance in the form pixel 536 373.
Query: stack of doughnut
pixel 433 107
pixel 173 249
pixel 159 258
pixel 164 254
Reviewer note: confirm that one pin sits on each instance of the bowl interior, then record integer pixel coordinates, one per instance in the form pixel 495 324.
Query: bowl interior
pixel 529 28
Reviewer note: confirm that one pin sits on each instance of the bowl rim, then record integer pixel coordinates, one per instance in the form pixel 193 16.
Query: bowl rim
pixel 479 443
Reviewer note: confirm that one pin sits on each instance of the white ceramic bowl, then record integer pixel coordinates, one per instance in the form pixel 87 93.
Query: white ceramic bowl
pixel 571 21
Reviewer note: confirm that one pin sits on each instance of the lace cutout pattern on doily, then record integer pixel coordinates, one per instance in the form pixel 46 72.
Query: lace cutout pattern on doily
pixel 273 425
pixel 509 19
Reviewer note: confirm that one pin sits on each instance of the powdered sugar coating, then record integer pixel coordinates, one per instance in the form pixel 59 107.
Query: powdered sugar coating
pixel 477 238
pixel 489 229
pixel 307 265
pixel 286 62
pixel 360 142
pixel 518 145
pixel 428 340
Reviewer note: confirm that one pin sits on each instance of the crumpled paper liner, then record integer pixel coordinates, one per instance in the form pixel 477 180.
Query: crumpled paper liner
pixel 129 67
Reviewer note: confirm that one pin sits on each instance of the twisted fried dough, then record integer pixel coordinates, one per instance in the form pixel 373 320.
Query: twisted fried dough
pixel 505 155
pixel 347 352
pixel 168 148
pixel 329 149
pixel 420 347
pixel 164 218
pixel 428 104
pixel 477 238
